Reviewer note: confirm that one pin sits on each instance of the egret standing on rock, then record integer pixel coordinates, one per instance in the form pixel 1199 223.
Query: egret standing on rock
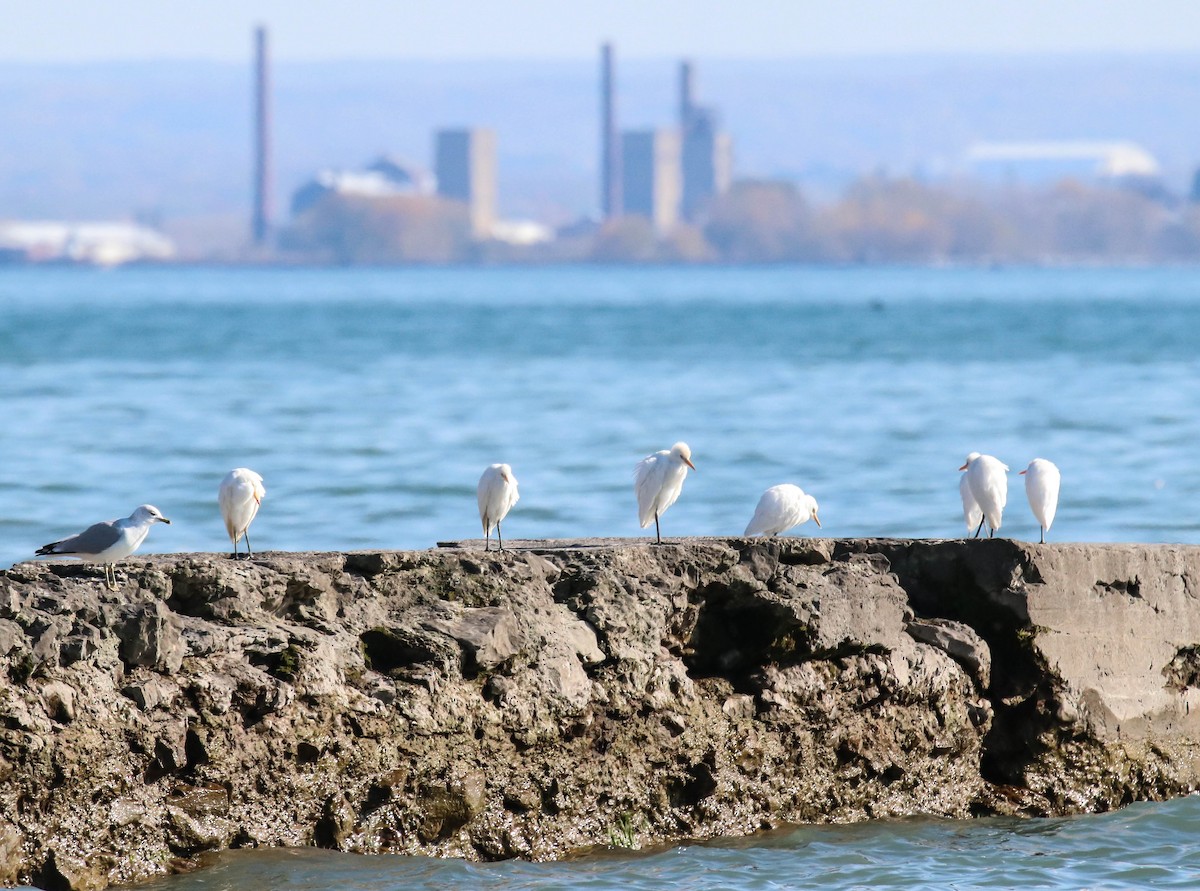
pixel 109 541
pixel 239 496
pixel 780 508
pixel 497 494
pixel 658 480
pixel 987 480
pixel 971 512
pixel 1041 487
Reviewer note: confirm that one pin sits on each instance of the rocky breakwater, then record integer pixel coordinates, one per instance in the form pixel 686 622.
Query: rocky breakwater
pixel 565 695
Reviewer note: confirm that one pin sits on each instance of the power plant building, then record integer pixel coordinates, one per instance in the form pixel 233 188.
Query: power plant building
pixel 663 175
pixel 465 166
pixel 707 162
pixel 707 155
pixel 651 176
pixel 387 177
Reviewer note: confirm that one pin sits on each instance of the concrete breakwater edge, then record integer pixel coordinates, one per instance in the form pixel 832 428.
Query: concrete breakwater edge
pixel 565 695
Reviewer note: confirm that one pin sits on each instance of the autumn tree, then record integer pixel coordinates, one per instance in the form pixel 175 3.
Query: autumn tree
pixel 393 229
pixel 761 221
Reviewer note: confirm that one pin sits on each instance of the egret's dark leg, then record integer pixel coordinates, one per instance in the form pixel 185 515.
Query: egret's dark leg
pixel 500 536
pixel 487 536
pixel 1043 528
pixel 991 532
pixel 246 535
pixel 978 529
pixel 657 533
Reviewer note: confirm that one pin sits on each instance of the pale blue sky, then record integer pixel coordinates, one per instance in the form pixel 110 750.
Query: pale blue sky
pixel 85 30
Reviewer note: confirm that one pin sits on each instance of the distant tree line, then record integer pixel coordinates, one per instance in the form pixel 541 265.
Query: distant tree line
pixel 877 220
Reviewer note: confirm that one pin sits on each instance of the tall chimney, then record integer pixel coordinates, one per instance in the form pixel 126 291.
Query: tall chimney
pixel 686 94
pixel 262 140
pixel 610 150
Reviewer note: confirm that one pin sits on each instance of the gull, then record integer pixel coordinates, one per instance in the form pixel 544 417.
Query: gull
pixel 989 487
pixel 1041 488
pixel 109 541
pixel 497 493
pixel 780 508
pixel 658 480
pixel 240 494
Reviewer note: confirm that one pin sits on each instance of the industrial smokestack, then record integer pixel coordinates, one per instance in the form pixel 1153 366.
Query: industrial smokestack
pixel 610 150
pixel 686 95
pixel 262 134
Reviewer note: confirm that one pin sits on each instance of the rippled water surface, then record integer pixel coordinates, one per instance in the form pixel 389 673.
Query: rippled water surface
pixel 1142 846
pixel 371 400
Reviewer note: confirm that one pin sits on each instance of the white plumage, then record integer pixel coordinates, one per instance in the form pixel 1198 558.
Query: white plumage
pixel 109 541
pixel 971 512
pixel 240 495
pixel 1041 488
pixel 497 493
pixel 988 482
pixel 658 480
pixel 780 508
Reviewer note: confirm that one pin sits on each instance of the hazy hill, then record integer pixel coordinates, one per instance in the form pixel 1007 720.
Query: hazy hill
pixel 172 140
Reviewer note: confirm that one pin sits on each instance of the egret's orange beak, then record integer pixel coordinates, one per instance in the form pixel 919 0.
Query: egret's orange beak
pixel 964 467
pixel 1022 473
pixel 258 501
pixel 688 463
pixel 817 520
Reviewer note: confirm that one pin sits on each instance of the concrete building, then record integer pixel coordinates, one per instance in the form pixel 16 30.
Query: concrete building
pixel 466 171
pixel 707 163
pixel 651 181
pixel 384 178
pixel 97 244
pixel 707 154
pixel 1041 163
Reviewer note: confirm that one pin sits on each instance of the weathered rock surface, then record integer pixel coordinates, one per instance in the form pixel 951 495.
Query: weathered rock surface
pixel 559 696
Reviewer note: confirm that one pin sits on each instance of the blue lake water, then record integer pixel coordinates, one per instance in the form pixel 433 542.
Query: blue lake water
pixel 371 400
pixel 1142 846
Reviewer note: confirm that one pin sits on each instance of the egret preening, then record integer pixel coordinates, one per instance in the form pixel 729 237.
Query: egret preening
pixel 988 483
pixel 239 496
pixel 1041 487
pixel 109 541
pixel 780 508
pixel 497 494
pixel 658 480
pixel 971 512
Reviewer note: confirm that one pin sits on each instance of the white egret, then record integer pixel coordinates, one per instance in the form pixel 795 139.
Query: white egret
pixel 658 480
pixel 989 487
pixel 971 512
pixel 240 494
pixel 109 541
pixel 1041 487
pixel 497 493
pixel 780 508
